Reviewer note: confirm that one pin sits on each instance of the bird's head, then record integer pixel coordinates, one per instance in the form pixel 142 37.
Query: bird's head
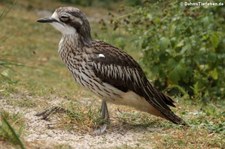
pixel 69 21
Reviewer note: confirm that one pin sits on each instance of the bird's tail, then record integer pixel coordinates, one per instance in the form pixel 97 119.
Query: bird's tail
pixel 162 102
pixel 169 115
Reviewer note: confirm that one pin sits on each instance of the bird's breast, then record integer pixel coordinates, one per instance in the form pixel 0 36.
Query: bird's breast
pixel 79 64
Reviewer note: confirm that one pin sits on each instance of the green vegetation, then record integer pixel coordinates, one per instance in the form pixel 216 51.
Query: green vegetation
pixel 3 63
pixel 183 47
pixel 102 3
pixel 7 130
pixel 11 125
pixel 80 117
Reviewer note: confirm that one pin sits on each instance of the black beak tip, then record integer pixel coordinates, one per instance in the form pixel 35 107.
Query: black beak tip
pixel 42 20
pixel 45 20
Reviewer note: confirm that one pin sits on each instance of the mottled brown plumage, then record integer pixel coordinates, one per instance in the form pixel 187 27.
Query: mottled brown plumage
pixel 104 69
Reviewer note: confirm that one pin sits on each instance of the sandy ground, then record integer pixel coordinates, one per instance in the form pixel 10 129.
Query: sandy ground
pixel 43 135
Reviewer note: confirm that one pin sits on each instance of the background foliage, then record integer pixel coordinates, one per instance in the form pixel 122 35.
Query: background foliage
pixel 105 3
pixel 183 47
pixel 5 64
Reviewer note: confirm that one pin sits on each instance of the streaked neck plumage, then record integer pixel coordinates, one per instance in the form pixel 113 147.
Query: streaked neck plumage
pixel 79 37
pixel 73 40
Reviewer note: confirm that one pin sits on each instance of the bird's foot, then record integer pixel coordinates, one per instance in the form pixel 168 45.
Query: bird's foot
pixel 101 130
pixel 48 112
pixel 105 117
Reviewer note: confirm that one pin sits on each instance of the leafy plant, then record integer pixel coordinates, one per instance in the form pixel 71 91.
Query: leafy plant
pixel 183 47
pixel 89 2
pixel 103 3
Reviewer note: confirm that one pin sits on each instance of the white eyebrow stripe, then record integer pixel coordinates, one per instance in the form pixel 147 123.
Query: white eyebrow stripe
pixel 55 16
pixel 101 55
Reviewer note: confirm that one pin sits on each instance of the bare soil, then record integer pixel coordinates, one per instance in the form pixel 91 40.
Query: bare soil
pixel 43 134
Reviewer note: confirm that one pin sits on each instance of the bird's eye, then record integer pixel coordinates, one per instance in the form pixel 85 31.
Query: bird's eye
pixel 64 18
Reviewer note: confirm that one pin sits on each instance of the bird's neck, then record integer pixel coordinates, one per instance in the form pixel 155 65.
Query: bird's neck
pixel 72 44
pixel 80 37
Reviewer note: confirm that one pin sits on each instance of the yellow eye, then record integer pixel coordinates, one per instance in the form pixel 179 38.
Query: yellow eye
pixel 64 18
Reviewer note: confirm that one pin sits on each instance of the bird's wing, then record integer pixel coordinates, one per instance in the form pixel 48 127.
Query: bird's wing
pixel 120 70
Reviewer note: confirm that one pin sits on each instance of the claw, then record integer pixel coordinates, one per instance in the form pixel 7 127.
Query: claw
pixel 100 130
pixel 46 113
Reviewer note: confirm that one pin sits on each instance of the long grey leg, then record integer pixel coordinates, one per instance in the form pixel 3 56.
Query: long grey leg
pixel 105 117
pixel 104 111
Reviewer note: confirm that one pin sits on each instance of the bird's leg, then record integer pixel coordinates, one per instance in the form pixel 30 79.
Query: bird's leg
pixel 104 111
pixel 105 117
pixel 46 113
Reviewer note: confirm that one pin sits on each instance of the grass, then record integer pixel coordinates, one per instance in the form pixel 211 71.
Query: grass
pixel 206 131
pixel 34 77
pixel 82 117
pixel 11 127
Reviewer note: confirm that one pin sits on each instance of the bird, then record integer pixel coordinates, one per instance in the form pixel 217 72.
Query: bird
pixel 106 70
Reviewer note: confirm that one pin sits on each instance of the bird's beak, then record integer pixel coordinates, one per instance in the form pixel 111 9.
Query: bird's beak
pixel 46 20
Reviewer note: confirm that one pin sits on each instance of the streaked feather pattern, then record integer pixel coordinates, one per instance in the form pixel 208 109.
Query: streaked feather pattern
pixel 121 71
